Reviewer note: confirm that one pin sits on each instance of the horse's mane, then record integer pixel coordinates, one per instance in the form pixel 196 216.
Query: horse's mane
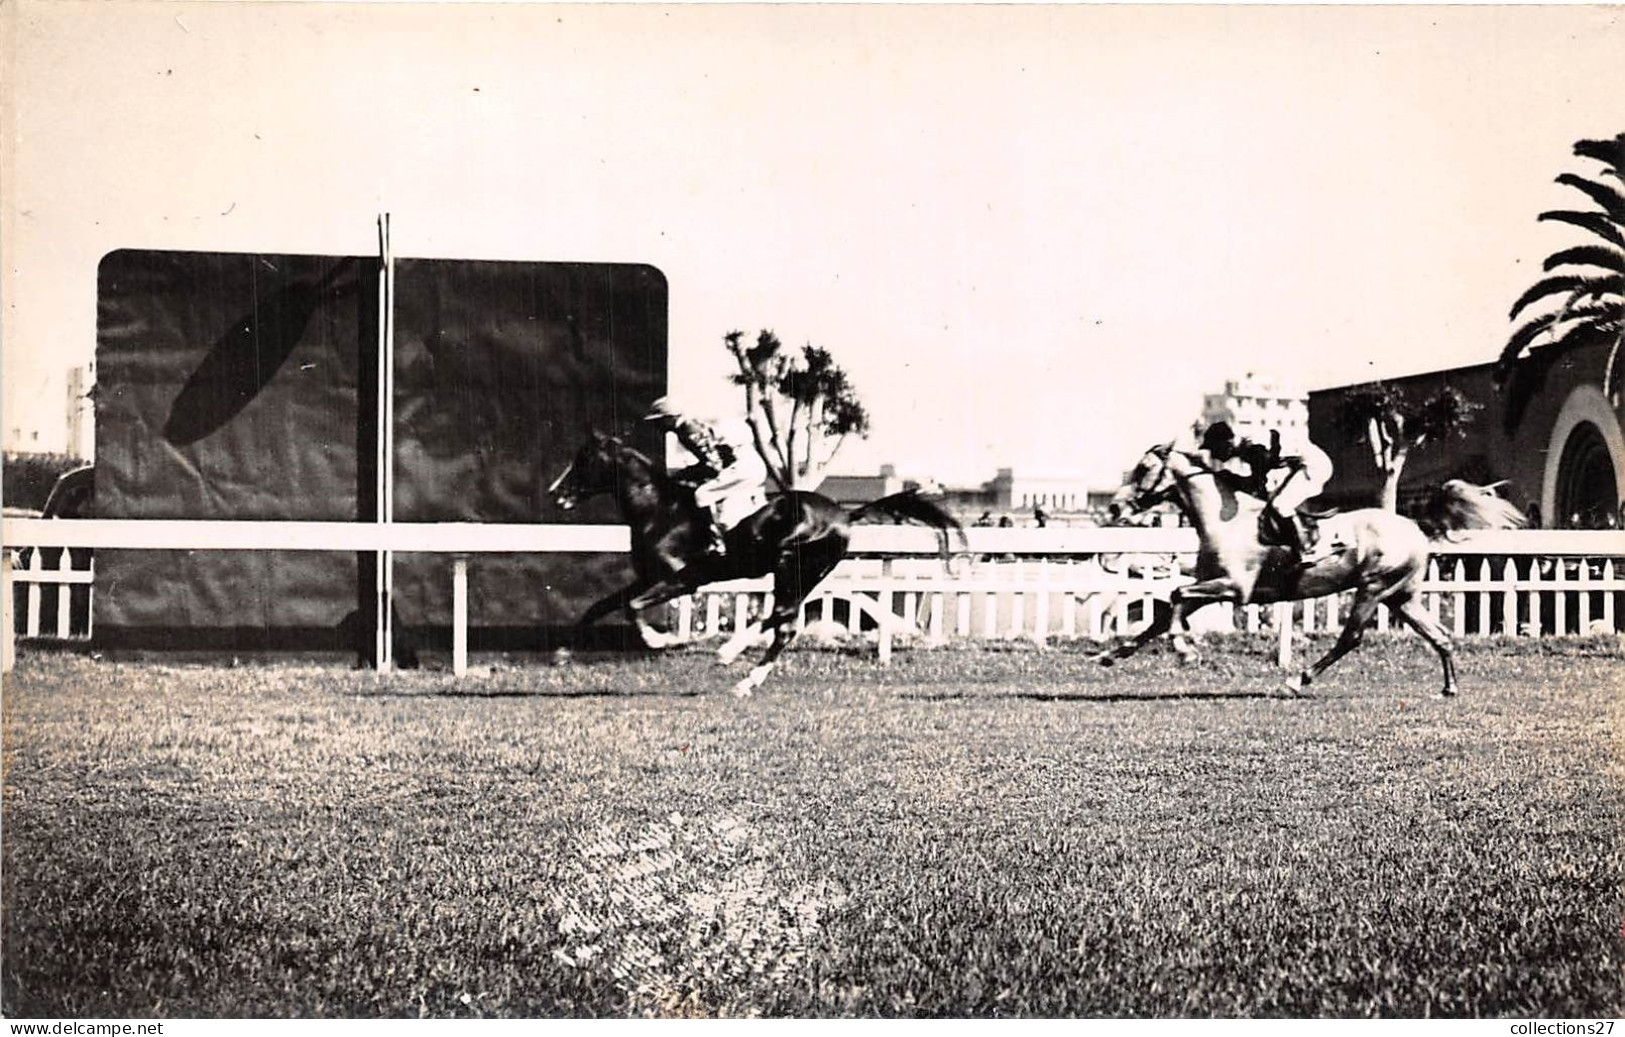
pixel 663 480
pixel 623 449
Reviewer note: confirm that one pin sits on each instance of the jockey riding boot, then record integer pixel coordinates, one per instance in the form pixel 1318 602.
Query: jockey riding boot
pixel 1311 548
pixel 1291 534
pixel 716 542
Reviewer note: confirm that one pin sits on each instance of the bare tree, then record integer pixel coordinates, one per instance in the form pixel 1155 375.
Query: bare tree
pixel 1394 425
pixel 800 405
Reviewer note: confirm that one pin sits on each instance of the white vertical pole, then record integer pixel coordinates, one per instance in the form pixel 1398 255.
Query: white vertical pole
pixel 8 639
pixel 1283 627
pixel 1607 597
pixel 459 615
pixel 65 598
pixel 385 644
pixel 1509 600
pixel 883 616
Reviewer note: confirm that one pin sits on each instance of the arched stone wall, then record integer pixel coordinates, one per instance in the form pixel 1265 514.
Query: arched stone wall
pixel 1585 405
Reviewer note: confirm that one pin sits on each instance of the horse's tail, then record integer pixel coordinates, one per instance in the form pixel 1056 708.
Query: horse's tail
pixel 1460 505
pixel 909 506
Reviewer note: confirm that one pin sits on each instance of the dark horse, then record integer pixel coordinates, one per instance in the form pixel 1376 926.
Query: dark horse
pixel 798 537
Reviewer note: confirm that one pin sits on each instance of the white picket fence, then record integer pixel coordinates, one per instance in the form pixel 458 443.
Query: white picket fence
pixel 54 595
pixel 1512 594
pixel 1032 584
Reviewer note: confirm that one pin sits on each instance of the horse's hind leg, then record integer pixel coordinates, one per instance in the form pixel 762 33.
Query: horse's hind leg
pixel 1410 610
pixel 799 572
pixel 1364 607
pixel 758 673
pixel 620 599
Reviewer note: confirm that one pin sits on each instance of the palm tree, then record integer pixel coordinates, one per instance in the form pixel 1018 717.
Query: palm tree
pixel 1586 286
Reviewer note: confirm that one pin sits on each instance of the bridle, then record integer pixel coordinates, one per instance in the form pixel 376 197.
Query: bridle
pixel 1144 500
pixel 571 494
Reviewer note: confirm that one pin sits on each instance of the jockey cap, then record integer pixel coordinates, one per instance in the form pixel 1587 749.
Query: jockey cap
pixel 1218 432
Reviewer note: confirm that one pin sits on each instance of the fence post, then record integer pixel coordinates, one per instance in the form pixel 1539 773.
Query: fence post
pixel 883 616
pixel 1283 626
pixel 8 646
pixel 459 615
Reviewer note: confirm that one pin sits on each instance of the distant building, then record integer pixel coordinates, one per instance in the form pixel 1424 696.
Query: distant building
pixel 44 430
pixel 23 439
pixel 1254 405
pixel 1063 500
pixel 851 490
pixel 81 412
pixel 1559 446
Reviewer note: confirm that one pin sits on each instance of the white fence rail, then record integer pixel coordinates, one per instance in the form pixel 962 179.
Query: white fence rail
pixel 1520 595
pixel 1037 584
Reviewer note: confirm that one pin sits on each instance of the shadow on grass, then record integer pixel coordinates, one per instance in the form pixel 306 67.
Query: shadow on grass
pixel 458 692
pixel 1035 696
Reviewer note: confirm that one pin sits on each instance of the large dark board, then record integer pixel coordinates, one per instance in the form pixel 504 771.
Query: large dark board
pixel 235 386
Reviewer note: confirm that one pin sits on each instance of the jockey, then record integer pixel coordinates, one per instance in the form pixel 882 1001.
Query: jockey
pixel 1284 481
pixel 729 469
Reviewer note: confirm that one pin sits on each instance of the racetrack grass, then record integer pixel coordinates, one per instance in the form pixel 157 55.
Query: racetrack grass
pixel 965 832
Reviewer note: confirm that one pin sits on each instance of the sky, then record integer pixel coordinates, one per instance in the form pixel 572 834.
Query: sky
pixel 1034 236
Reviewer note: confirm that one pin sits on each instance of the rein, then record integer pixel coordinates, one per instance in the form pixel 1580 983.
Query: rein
pixel 1151 498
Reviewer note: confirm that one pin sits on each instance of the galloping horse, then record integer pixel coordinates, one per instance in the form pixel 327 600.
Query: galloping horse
pixel 798 537
pixel 1379 554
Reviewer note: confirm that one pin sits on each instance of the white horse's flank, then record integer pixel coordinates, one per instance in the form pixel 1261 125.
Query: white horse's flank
pixel 1378 554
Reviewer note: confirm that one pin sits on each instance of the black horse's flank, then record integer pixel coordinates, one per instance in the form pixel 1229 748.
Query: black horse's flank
pixel 797 537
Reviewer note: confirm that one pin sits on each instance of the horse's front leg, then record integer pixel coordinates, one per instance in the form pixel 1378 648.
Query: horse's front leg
pixel 744 637
pixel 1195 596
pixel 1174 615
pixel 1162 618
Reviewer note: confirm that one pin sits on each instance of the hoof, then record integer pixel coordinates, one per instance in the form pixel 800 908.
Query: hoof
pixel 1106 659
pixel 1446 693
pixel 751 681
pixel 562 657
pixel 1189 658
pixel 655 639
pixel 1290 689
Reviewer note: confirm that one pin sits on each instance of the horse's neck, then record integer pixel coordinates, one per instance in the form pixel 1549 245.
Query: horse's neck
pixel 645 494
pixel 640 489
pixel 1210 503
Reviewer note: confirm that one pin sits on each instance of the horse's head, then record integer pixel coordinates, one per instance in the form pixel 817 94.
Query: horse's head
pixel 593 471
pixel 1154 480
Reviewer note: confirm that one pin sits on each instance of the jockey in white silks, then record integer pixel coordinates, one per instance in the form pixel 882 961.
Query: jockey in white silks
pixel 733 478
pixel 1284 476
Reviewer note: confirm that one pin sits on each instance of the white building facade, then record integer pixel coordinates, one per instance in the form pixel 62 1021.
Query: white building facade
pixel 1255 405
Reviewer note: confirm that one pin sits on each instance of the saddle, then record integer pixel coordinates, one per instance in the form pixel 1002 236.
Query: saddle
pixel 1272 531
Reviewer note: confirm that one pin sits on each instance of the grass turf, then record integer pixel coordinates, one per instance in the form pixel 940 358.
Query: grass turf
pixel 965 832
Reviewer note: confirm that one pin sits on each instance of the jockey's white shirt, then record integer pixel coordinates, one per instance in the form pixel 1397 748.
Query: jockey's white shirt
pixel 739 489
pixel 1294 489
